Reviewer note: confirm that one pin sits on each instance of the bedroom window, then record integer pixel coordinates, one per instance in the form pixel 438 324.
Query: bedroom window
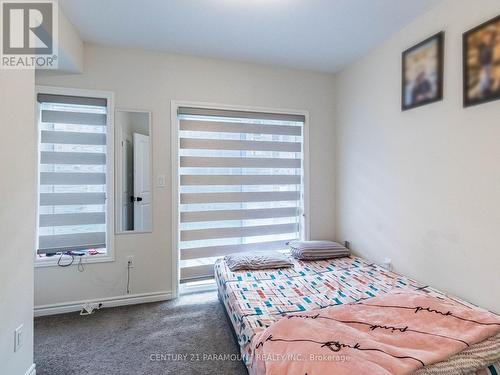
pixel 74 177
pixel 241 185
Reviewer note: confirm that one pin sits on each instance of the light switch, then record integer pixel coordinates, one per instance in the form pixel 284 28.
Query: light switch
pixel 162 180
pixel 18 338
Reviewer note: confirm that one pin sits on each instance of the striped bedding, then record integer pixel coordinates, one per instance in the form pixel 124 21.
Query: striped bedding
pixel 254 300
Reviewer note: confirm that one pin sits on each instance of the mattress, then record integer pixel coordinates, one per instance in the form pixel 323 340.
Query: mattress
pixel 254 300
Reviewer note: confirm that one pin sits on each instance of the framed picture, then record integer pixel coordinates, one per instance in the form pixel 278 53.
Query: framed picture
pixel 423 73
pixel 481 59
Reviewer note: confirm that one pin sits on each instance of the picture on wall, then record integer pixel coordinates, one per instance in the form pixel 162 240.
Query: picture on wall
pixel 423 73
pixel 481 59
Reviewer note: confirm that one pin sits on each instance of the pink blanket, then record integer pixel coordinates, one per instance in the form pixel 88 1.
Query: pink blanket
pixel 395 333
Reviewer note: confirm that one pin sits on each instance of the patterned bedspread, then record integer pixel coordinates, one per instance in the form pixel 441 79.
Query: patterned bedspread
pixel 256 299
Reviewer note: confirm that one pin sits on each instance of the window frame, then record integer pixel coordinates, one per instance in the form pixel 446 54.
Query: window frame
pixel 110 180
pixel 175 159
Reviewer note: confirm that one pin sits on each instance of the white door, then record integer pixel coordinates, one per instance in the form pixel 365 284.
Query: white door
pixel 142 183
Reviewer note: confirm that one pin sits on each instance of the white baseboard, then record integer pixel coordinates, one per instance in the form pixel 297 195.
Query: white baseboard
pixel 130 299
pixel 31 370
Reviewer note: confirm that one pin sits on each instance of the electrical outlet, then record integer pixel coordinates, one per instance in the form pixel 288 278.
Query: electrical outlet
pixel 18 338
pixel 130 261
pixel 387 264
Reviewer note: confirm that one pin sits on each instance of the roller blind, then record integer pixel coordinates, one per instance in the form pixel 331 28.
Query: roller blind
pixel 240 184
pixel 72 173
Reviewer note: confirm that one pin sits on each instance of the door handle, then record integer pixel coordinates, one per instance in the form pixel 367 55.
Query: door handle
pixel 139 199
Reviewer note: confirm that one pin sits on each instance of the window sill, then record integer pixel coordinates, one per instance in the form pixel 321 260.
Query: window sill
pixel 86 259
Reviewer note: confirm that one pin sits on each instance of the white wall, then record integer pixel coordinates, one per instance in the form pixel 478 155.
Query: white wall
pixel 70 46
pixel 423 186
pixel 149 81
pixel 17 218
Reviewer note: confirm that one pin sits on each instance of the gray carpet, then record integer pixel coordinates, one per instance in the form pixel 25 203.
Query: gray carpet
pixel 140 339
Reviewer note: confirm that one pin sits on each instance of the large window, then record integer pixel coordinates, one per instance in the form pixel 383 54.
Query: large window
pixel 241 185
pixel 74 176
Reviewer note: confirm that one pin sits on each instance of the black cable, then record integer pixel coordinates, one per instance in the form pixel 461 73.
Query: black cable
pixel 81 268
pixel 66 265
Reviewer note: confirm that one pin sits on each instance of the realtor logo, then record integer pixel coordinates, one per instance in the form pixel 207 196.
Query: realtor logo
pixel 29 34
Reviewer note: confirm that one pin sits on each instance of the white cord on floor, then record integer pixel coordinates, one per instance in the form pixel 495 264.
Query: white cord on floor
pixel 129 266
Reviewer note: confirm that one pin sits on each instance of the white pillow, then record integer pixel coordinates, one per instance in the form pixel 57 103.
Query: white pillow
pixel 315 250
pixel 257 260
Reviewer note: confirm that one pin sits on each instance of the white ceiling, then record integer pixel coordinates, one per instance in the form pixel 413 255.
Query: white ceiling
pixel 322 35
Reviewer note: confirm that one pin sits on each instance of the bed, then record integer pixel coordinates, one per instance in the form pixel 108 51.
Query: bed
pixel 255 300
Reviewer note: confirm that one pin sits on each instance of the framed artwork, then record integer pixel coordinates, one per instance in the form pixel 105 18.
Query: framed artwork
pixel 422 79
pixel 481 63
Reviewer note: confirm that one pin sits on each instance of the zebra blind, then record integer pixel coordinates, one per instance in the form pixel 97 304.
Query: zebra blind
pixel 72 173
pixel 240 184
